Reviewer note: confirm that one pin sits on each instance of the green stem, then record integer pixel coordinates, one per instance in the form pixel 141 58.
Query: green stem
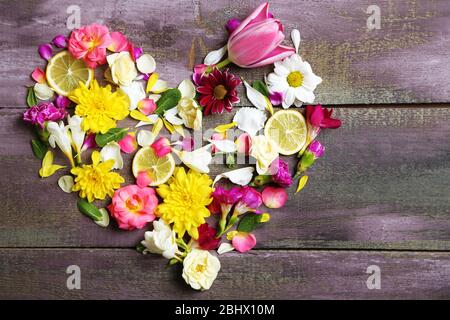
pixel 221 64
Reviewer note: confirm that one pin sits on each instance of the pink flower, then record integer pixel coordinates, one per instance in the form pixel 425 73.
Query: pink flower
pixel 257 40
pixel 128 144
pixel 43 112
pixel 243 241
pixel 45 51
pixel 199 72
pixel 321 117
pixel 187 144
pixel 89 43
pixel 217 137
pixel 314 151
pixel 38 75
pixel 62 101
pixel 118 42
pixel 280 173
pixel 136 52
pixel 274 197
pixel 249 201
pixel 60 41
pixel 224 199
pixel 146 106
pixel 89 142
pixel 244 143
pixel 316 148
pixel 143 179
pixel 133 207
pixel 161 147
pixel 207 237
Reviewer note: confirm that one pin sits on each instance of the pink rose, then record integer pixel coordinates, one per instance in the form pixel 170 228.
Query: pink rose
pixel 133 207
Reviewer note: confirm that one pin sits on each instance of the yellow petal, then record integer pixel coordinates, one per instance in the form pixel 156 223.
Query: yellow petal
pixel 265 217
pixel 151 81
pixel 301 183
pixel 157 127
pixel 95 157
pixel 136 114
pixel 269 105
pixel 179 129
pixel 224 127
pixel 231 234
pixel 168 126
pixel 48 168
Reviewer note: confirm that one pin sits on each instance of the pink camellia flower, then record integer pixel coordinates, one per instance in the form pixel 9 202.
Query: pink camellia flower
pixel 38 75
pixel 207 237
pixel 257 40
pixel 274 197
pixel 243 241
pixel 243 143
pixel 250 201
pixel 45 51
pixel 146 106
pixel 119 42
pixel 143 179
pixel 89 43
pixel 161 147
pixel 60 41
pixel 128 144
pixel 133 207
pixel 43 112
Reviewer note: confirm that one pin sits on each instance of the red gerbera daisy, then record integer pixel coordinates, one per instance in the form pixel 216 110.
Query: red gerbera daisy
pixel 218 91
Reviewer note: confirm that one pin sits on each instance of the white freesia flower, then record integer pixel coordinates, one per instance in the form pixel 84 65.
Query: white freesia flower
pixel 123 68
pixel 198 159
pixel 200 269
pixel 59 136
pixel 215 56
pixel 187 89
pixel 264 152
pixel 161 240
pixel 43 91
pixel 241 176
pixel 76 132
pixel 171 116
pixel 112 151
pixel 191 113
pixel 295 79
pixel 135 92
pixel 250 120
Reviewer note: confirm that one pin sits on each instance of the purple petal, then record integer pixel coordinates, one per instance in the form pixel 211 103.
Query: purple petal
pixel 60 41
pixel 45 51
pixel 62 101
pixel 276 98
pixel 232 24
pixel 137 52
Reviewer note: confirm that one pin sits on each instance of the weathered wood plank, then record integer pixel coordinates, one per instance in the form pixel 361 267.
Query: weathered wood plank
pixel 403 62
pixel 126 274
pixel 382 184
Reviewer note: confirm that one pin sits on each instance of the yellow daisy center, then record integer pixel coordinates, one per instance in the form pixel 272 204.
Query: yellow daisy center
pixel 295 79
pixel 220 92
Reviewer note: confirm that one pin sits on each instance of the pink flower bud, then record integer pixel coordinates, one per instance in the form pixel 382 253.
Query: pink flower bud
pixel 45 51
pixel 128 144
pixel 250 201
pixel 60 41
pixel 62 101
pixel 38 75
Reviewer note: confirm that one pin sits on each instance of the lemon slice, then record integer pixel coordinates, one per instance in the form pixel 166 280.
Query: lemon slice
pixel 286 129
pixel 160 169
pixel 64 73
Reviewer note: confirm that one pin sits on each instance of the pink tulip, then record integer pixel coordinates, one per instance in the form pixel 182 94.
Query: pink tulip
pixel 257 40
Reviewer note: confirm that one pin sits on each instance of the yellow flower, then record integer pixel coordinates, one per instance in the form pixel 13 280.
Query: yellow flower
pixel 185 196
pixel 99 107
pixel 96 181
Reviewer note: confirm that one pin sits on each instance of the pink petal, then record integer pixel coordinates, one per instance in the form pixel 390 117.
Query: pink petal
pixel 187 144
pixel 276 98
pixel 279 53
pixel 317 116
pixel 45 51
pixel 143 179
pixel 232 24
pixel 260 14
pixel 243 143
pixel 146 106
pixel 60 41
pixel 38 75
pixel 331 123
pixel 128 144
pixel 243 242
pixel 274 197
pixel 118 42
pixel 62 101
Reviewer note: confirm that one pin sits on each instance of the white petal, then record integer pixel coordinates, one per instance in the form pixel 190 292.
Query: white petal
pixel 256 97
pixel 225 247
pixel 171 116
pixel 304 95
pixel 153 118
pixel 187 89
pixel 146 63
pixel 154 97
pixel 135 91
pixel 241 176
pixel 224 145
pixel 298 103
pixel 250 120
pixel 273 79
pixel 43 91
pixel 145 138
pixel 66 183
pixel 215 56
pixel 160 86
pixel 112 151
pixel 289 97
pixel 111 58
pixel 197 160
pixel 295 36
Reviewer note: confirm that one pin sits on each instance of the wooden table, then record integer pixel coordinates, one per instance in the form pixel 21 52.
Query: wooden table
pixel 381 195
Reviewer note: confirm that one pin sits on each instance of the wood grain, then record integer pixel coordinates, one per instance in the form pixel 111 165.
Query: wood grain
pixel 406 61
pixel 383 183
pixel 126 274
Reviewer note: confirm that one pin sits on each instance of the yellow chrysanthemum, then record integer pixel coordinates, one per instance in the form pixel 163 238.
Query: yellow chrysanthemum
pixel 99 107
pixel 95 181
pixel 185 196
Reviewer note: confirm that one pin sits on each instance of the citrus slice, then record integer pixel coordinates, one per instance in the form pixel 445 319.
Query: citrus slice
pixel 64 73
pixel 286 129
pixel 159 169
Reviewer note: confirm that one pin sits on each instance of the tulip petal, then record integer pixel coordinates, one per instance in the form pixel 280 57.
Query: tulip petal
pixel 135 92
pixel 256 97
pixel 138 115
pixel 146 106
pixel 159 86
pixel 260 14
pixel 295 36
pixel 279 53
pixel 151 82
pixel 197 160
pixel 45 51
pixel 38 75
pixel 128 144
pixel 112 152
pixel 243 143
pixel 60 41
pixel 215 56
pixel 119 42
pixel 145 138
pixel 241 176
pixel 150 119
pixel 146 63
pixel 274 197
pixel 243 242
pixel 187 89
pixel 66 183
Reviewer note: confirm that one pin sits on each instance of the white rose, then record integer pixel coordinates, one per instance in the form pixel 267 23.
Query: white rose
pixel 123 68
pixel 161 240
pixel 190 112
pixel 264 152
pixel 200 269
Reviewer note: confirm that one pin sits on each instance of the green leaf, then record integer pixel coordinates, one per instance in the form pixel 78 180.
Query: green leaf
pixel 89 210
pixel 249 222
pixel 261 87
pixel 31 97
pixel 114 134
pixel 39 148
pixel 169 99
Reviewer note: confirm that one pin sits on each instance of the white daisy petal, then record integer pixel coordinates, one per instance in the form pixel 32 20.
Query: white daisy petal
pixel 215 56
pixel 250 120
pixel 289 97
pixel 225 247
pixel 187 89
pixel 146 63
pixel 304 95
pixel 298 103
pixel 145 138
pixel 241 176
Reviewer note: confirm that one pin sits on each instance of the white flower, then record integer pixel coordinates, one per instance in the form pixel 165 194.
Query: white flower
pixel 264 152
pixel 161 240
pixel 295 79
pixel 135 91
pixel 43 91
pixel 200 269
pixel 197 160
pixel 59 136
pixel 250 120
pixel 225 145
pixel 66 183
pixel 215 56
pixel 190 112
pixel 241 176
pixel 77 134
pixel 123 68
pixel 112 151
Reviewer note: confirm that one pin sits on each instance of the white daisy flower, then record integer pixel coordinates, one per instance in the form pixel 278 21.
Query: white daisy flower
pixel 295 79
